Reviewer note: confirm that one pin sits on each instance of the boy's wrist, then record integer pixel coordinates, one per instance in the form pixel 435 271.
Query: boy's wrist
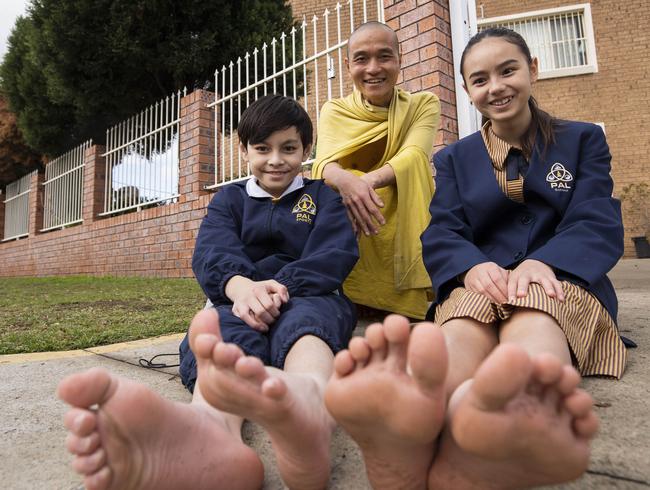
pixel 234 285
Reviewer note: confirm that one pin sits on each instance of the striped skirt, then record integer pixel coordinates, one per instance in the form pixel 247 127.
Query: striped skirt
pixel 590 331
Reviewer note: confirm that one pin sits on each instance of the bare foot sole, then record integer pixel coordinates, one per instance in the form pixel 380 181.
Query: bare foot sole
pixel 393 415
pixel 288 406
pixel 519 423
pixel 124 436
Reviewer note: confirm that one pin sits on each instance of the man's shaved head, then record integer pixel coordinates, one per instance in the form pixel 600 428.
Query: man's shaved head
pixel 368 26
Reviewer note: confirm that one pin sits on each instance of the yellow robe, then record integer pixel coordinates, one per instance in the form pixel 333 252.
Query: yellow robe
pixel 390 274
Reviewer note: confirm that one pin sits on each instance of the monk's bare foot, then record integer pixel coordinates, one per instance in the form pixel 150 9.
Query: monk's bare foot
pixel 124 436
pixel 288 406
pixel 393 415
pixel 520 423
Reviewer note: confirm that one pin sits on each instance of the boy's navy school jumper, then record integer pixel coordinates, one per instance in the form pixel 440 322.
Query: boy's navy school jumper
pixel 303 240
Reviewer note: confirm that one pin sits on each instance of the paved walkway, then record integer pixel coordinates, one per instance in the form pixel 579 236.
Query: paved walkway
pixel 32 455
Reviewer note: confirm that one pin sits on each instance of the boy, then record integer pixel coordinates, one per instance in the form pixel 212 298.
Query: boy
pixel 271 256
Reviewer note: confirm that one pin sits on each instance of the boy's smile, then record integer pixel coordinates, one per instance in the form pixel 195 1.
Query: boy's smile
pixel 277 160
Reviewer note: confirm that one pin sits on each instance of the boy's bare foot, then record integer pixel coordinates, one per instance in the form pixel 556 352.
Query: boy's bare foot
pixel 393 414
pixel 124 436
pixel 519 423
pixel 288 406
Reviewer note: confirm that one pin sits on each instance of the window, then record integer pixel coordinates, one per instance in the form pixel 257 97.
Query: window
pixel 561 38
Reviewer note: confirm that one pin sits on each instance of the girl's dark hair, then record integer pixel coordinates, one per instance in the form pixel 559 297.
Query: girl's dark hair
pixel 273 113
pixel 540 119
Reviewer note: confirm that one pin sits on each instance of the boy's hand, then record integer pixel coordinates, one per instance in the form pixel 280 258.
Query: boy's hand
pixel 533 271
pixel 257 303
pixel 489 280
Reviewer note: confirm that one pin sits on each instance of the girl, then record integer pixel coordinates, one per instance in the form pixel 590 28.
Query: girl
pixel 523 226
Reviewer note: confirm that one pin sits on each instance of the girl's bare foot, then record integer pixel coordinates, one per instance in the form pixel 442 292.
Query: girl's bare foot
pixel 518 423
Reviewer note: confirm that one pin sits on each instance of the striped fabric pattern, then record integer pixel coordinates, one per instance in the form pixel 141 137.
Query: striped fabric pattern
pixel 590 331
pixel 498 150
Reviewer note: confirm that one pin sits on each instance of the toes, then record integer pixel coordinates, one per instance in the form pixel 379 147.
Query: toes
pixel 203 345
pixel 91 463
pixel 204 322
pixel 226 355
pixel 80 422
pixel 427 356
pixel 86 389
pixel 376 341
pixel 547 369
pixel 569 381
pixel 99 480
pixel 251 368
pixel 501 376
pixel 587 426
pixel 360 351
pixel 396 333
pixel 579 404
pixel 82 445
pixel 344 363
pixel 274 388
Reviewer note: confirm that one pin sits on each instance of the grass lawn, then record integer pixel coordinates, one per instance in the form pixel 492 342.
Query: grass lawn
pixel 61 313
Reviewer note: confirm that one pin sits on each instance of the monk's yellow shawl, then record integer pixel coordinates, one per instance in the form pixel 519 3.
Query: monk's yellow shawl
pixel 409 126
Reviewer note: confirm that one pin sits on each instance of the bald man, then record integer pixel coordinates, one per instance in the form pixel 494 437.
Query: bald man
pixel 374 147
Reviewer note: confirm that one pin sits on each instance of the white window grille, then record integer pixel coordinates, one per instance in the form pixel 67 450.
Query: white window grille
pixel 63 196
pixel 142 158
pixel 561 38
pixel 17 208
pixel 306 64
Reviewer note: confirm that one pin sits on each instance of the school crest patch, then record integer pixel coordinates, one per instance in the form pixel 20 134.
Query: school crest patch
pixel 304 209
pixel 559 177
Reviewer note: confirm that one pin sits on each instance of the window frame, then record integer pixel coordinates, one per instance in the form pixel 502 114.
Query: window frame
pixel 590 41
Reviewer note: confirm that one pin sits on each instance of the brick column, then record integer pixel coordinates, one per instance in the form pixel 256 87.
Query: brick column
pixel 196 145
pixel 94 183
pixel 3 196
pixel 424 31
pixel 36 192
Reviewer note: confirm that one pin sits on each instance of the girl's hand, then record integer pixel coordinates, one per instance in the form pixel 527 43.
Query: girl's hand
pixel 533 271
pixel 489 280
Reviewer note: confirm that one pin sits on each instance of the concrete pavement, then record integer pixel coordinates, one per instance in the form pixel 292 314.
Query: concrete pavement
pixel 32 455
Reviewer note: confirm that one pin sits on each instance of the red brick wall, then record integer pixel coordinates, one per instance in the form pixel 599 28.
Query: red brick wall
pixel 617 95
pixel 424 32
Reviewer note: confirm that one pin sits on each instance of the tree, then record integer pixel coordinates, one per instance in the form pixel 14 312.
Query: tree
pixel 75 67
pixel 16 158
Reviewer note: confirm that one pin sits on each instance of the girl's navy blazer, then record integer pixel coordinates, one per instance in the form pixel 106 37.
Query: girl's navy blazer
pixel 569 220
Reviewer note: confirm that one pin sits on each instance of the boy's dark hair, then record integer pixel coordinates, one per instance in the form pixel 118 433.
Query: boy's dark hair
pixel 542 120
pixel 273 113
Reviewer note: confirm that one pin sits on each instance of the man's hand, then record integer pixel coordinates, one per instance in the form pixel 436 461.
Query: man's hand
pixel 533 271
pixel 256 302
pixel 489 280
pixel 362 202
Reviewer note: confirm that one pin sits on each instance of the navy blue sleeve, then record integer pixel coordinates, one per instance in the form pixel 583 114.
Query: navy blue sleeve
pixel 329 253
pixel 588 240
pixel 219 253
pixel 447 243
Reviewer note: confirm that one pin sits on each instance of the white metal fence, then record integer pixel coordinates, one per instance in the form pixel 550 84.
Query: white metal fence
pixel 17 208
pixel 306 64
pixel 63 186
pixel 142 158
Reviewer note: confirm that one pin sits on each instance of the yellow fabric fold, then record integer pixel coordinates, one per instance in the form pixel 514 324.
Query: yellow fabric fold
pixel 408 127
